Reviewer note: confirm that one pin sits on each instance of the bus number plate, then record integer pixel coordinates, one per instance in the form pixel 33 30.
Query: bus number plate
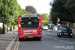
pixel 30 36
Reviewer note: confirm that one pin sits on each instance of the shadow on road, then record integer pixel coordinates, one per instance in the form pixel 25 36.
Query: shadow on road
pixel 30 40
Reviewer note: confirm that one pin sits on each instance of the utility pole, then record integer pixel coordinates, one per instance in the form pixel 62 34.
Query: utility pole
pixel 7 15
pixel 11 15
pixel 4 18
pixel 13 23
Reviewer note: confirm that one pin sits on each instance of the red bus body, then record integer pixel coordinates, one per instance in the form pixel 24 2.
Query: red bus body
pixel 29 33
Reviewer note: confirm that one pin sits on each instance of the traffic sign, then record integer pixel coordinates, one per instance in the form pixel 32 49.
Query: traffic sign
pixel 58 19
pixel 12 17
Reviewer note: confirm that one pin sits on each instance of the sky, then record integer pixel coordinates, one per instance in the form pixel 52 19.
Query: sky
pixel 41 6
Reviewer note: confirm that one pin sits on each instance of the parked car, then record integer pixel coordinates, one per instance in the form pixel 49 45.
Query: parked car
pixel 64 31
pixel 44 27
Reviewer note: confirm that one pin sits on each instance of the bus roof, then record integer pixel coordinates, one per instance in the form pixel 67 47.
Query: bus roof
pixel 29 15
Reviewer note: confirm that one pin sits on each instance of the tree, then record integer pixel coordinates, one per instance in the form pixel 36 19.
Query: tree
pixel 60 10
pixel 70 6
pixel 25 12
pixel 31 9
pixel 44 17
pixel 11 8
pixel 44 22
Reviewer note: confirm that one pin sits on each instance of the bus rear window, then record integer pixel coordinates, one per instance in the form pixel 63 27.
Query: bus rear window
pixel 29 22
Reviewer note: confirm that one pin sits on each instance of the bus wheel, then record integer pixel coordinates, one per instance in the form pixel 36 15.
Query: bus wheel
pixel 20 39
pixel 39 39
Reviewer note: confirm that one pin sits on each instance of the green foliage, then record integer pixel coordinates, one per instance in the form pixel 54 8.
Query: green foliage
pixel 70 6
pixel 25 12
pixel 44 22
pixel 44 17
pixel 64 9
pixel 36 13
pixel 11 8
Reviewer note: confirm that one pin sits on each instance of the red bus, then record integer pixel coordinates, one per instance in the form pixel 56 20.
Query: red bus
pixel 29 26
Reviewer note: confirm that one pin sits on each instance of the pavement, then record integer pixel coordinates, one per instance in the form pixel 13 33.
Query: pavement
pixel 7 40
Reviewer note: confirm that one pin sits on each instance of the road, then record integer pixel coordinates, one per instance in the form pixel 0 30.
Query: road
pixel 49 41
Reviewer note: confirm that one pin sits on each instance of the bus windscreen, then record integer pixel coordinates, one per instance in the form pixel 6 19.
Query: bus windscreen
pixel 29 22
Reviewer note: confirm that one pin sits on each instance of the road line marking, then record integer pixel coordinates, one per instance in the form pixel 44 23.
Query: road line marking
pixel 69 42
pixel 60 40
pixel 55 38
pixel 17 45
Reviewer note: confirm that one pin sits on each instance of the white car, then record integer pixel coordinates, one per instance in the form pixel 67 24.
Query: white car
pixel 44 27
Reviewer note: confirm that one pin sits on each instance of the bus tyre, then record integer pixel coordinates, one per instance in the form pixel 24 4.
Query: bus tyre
pixel 39 39
pixel 20 39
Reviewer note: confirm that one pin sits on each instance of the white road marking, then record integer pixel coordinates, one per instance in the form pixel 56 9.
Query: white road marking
pixel 69 42
pixel 55 39
pixel 61 40
pixel 17 45
pixel 48 36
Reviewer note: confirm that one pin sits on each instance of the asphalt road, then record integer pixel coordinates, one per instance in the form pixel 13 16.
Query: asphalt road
pixel 49 41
